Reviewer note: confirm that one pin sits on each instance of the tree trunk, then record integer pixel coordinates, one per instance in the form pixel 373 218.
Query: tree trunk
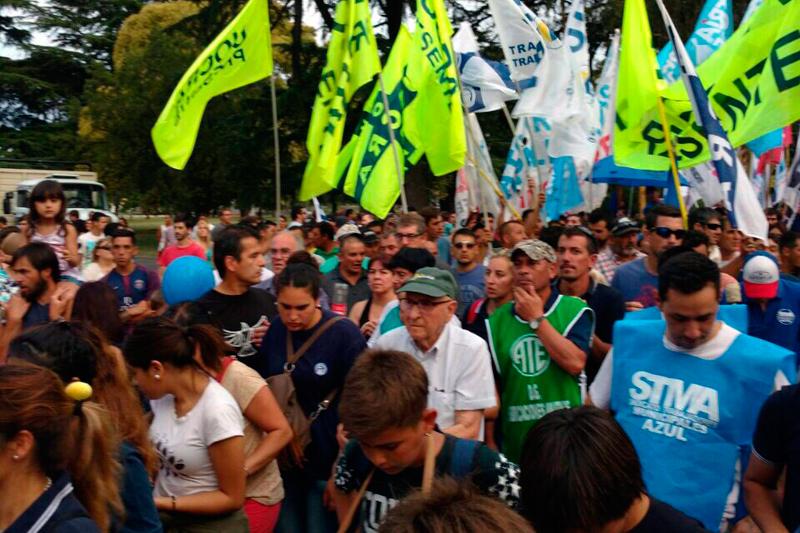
pixel 297 43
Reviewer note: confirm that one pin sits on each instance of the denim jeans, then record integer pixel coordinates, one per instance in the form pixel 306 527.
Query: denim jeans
pixel 302 510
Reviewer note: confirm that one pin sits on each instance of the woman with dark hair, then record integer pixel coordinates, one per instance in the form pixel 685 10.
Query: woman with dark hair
pixel 367 313
pixel 57 466
pixel 47 208
pixel 96 304
pixel 319 347
pixel 78 351
pixel 197 428
pixel 266 430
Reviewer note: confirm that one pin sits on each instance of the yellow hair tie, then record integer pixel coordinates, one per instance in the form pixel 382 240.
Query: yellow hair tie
pixel 78 391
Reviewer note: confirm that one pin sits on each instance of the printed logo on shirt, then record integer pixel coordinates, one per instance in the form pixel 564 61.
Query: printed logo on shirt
pixel 670 407
pixel 375 507
pixel 785 317
pixel 138 284
pixel 529 356
pixel 320 369
pixel 170 465
pixel 242 339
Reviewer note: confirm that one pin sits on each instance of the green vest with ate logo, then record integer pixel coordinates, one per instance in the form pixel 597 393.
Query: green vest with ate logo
pixel 532 384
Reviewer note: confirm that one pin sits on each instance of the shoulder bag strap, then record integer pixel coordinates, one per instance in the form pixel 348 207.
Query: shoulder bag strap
pixel 292 356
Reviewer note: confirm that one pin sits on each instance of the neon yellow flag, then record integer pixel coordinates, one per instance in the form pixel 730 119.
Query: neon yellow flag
pixel 352 61
pixel 753 83
pixel 365 167
pixel 636 80
pixel 433 75
pixel 240 54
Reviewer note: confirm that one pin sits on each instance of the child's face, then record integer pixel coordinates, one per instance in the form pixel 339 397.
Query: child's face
pixel 49 207
pixel 396 449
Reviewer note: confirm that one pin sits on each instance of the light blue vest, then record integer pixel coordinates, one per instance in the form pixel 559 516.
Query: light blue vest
pixel 735 315
pixel 688 417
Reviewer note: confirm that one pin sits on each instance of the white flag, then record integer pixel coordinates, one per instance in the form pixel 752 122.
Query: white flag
pixel 704 183
pixel 519 31
pixel 485 85
pixel 478 170
pixel 576 37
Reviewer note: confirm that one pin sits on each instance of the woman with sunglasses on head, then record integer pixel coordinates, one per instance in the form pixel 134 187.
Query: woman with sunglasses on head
pixel 57 467
pixel 78 351
pixel 102 261
pixel 315 349
pixel 367 313
pixel 197 428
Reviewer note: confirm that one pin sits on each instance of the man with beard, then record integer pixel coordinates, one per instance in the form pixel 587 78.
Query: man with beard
pixel 35 269
pixel 621 248
pixel 577 253
pixel 638 279
pixel 601 222
pixel 184 244
pixel 539 343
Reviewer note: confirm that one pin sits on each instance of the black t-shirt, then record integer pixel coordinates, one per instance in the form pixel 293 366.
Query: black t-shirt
pixel 237 317
pixel 608 306
pixel 663 518
pixel 488 470
pixel 777 441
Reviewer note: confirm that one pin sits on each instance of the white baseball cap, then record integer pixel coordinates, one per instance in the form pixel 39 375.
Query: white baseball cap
pixel 761 276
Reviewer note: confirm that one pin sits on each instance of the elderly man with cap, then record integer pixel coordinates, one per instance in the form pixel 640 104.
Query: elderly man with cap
pixel 621 248
pixel 457 362
pixel 540 343
pixel 773 303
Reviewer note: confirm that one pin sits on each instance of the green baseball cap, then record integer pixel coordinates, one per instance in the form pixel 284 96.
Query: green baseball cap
pixel 433 282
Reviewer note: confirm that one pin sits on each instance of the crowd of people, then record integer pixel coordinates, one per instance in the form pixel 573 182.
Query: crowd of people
pixel 597 373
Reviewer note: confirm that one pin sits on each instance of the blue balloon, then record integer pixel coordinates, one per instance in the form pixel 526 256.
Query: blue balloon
pixel 186 279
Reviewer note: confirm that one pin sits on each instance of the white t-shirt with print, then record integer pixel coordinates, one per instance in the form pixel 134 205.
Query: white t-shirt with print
pixel 182 442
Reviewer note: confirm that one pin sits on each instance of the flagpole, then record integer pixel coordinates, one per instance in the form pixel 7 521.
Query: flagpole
pixel 395 153
pixel 673 164
pixel 277 148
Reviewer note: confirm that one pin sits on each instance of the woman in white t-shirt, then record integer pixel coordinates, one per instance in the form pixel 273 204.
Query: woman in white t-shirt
pixel 197 430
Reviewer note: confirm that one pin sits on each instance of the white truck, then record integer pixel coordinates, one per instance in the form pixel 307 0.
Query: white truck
pixel 81 189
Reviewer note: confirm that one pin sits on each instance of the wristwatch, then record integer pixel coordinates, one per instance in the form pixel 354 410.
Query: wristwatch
pixel 535 323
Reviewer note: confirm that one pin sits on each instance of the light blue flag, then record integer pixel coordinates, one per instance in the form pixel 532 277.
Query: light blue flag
pixel 714 26
pixel 565 191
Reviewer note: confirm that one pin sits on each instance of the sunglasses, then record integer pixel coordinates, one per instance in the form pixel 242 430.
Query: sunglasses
pixel 462 245
pixel 665 233
pixel 713 226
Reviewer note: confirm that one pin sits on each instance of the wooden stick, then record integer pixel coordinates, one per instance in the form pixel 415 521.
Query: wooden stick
pixel 430 464
pixel 351 511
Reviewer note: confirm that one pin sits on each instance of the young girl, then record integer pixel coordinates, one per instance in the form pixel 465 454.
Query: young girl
pixel 47 211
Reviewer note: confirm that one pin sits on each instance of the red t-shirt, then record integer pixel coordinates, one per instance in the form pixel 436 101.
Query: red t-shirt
pixel 172 252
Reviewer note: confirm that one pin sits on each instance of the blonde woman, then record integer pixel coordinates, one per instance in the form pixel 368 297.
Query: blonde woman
pixel 204 238
pixel 102 261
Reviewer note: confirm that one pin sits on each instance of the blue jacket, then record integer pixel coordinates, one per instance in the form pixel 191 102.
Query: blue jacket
pixel 57 510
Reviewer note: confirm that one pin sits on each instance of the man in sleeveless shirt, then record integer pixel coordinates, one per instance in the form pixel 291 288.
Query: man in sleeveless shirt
pixel 539 343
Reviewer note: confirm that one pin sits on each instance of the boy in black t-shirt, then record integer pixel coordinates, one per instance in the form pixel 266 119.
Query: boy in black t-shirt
pixel 384 409
pixel 580 472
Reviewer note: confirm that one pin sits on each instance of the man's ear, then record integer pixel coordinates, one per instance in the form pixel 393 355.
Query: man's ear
pixel 230 264
pixel 429 419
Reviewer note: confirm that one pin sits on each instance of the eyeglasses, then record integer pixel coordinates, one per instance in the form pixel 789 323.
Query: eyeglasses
pixel 462 245
pixel 402 236
pixel 665 233
pixel 713 226
pixel 424 306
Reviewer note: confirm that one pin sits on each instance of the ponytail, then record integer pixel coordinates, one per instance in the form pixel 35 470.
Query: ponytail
pixel 93 465
pixel 177 345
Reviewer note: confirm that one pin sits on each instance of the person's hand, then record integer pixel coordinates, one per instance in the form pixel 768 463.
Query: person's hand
pixel 61 302
pixel 16 308
pixel 633 306
pixel 327 496
pixel 528 304
pixel 368 328
pixel 259 333
pixel 73 258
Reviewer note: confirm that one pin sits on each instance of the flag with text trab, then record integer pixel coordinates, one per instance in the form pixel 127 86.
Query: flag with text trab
pixel 241 54
pixel 746 212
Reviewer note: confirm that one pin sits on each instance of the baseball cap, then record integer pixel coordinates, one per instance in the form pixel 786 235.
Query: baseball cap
pixel 433 282
pixel 760 276
pixel 536 250
pixel 623 226
pixel 370 236
pixel 412 259
pixel 345 230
